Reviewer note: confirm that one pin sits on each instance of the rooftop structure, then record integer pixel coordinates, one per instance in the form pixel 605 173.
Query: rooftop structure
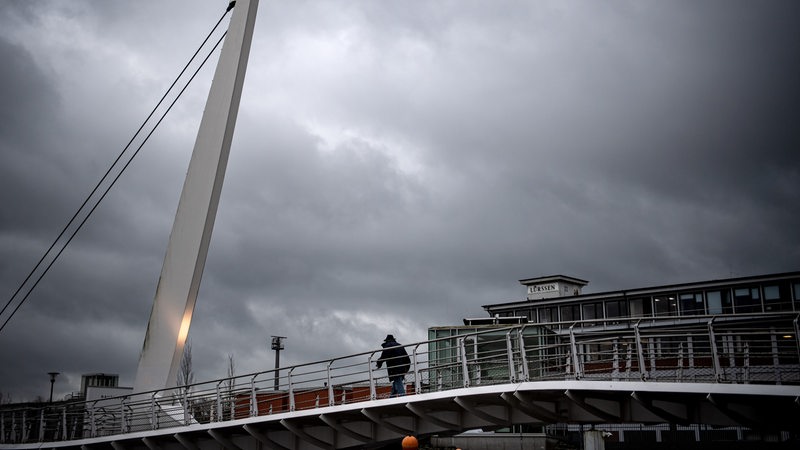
pixel 547 301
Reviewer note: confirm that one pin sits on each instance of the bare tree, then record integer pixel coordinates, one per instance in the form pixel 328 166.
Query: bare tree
pixel 185 375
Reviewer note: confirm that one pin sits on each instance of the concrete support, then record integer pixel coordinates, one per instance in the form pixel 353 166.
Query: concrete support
pixel 593 440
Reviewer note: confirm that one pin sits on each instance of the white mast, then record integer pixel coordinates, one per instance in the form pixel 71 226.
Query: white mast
pixel 191 232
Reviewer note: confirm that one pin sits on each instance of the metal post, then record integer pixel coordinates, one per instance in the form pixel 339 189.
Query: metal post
pixel 219 401
pixel 372 394
pixel 776 361
pixel 797 335
pixel 53 376
pixel 331 400
pixel 714 351
pixel 41 425
pixel 512 376
pixel 417 381
pixel 122 417
pixel 640 351
pixel 153 412
pixel 526 376
pixel 277 345
pixel 746 369
pixel 64 423
pixel 576 360
pixel 291 389
pixel 464 365
pixel 253 399
pixel 93 424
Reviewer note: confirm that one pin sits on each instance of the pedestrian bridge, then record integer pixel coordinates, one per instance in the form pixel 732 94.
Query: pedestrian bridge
pixel 721 371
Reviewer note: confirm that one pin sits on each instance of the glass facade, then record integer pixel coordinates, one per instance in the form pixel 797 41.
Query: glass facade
pixel 696 299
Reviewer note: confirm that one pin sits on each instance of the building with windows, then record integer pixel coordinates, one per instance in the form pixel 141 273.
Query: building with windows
pixel 559 299
pixel 738 330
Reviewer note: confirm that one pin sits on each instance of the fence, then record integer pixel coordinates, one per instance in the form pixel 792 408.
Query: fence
pixel 722 349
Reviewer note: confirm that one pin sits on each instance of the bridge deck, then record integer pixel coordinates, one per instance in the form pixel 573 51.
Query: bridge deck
pixel 743 372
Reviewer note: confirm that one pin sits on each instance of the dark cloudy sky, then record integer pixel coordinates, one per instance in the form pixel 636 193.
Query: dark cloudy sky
pixel 396 165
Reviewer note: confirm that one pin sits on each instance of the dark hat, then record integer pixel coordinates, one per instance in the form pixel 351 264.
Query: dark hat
pixel 389 337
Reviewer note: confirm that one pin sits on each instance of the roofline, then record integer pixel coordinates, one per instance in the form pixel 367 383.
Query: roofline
pixel 646 290
pixel 553 278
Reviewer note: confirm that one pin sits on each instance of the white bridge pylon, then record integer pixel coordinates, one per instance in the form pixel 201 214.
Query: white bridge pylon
pixel 182 271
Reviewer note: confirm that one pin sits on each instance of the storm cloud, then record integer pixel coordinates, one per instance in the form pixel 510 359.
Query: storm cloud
pixel 396 165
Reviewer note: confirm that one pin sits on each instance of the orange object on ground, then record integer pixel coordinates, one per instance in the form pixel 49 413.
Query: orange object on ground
pixel 410 443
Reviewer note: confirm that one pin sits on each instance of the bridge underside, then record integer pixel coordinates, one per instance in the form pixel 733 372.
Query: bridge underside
pixel 375 423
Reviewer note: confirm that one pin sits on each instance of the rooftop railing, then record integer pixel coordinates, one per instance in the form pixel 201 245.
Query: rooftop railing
pixel 753 349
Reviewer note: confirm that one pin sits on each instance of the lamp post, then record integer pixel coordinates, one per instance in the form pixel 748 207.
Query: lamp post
pixel 277 345
pixel 53 376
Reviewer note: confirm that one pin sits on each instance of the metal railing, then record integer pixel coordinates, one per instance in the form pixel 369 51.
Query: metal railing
pixel 762 348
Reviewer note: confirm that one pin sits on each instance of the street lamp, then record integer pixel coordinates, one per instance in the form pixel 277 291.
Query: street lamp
pixel 53 376
pixel 277 345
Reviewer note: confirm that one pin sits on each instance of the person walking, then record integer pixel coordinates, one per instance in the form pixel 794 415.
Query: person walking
pixel 397 364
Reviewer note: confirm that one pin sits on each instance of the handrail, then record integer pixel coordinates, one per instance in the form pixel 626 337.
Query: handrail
pixel 757 349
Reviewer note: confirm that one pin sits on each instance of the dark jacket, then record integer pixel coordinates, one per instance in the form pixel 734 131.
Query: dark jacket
pixel 396 358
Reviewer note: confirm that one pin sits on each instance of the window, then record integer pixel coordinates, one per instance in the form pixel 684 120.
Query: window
pixel 746 300
pixel 796 289
pixel 570 313
pixel 616 308
pixel 522 313
pixel 548 314
pixel 592 311
pixel 776 298
pixel 719 302
pixel 641 307
pixel 665 305
pixel 692 304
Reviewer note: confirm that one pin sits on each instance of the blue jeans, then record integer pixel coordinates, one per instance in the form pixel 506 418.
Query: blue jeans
pixel 398 386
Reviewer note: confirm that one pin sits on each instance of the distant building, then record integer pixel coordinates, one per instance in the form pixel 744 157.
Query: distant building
pixel 745 310
pixel 559 299
pixel 96 386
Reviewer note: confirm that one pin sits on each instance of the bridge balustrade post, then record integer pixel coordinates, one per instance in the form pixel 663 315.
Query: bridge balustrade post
pixel 615 360
pixel 512 378
pixel 464 367
pixel 718 375
pixel 253 398
pixel 372 394
pixel 153 412
pixel 526 376
pixel 92 422
pixel 219 402
pixel 796 323
pixel 24 426
pixel 331 401
pixel 185 400
pixel 291 389
pixel 776 361
pixel 746 364
pixel 122 415
pixel 679 370
pixel 64 423
pixel 417 381
pixel 41 425
pixel 576 358
pixel 628 361
pixel 2 428
pixel 640 351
